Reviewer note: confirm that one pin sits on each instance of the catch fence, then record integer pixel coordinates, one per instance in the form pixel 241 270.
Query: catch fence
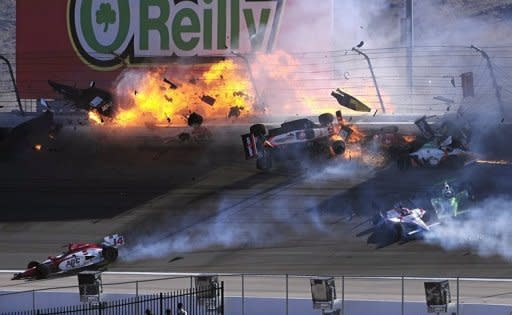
pixel 283 294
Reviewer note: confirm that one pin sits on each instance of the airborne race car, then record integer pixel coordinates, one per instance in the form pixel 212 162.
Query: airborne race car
pixel 327 136
pixel 78 257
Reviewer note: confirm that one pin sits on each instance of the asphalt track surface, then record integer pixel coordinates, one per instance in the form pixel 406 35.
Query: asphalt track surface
pixel 200 207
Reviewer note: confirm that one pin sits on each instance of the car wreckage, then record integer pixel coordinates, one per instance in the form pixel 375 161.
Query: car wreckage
pixel 77 257
pixel 399 224
pixel 442 146
pixel 329 135
pixel 88 99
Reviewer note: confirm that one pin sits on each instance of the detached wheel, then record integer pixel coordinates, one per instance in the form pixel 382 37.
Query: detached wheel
pixel 109 253
pixel 258 130
pixel 194 120
pixel 32 264
pixel 42 271
pixel 325 119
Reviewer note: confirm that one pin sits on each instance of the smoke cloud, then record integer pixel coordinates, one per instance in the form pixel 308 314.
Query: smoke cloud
pixel 235 225
pixel 486 231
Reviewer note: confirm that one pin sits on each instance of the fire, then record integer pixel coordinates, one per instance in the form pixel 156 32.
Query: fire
pixel 38 147
pixel 159 97
pixel 95 117
pixel 409 138
pixel 356 135
pixel 272 84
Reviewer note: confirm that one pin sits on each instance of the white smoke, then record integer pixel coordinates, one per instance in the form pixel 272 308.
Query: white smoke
pixel 235 225
pixel 486 231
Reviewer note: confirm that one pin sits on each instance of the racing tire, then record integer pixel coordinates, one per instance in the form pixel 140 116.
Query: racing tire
pixel 109 253
pixel 32 264
pixel 42 271
pixel 258 130
pixel 325 119
pixel 338 147
pixel 194 120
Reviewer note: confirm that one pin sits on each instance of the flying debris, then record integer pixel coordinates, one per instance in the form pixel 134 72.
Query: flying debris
pixel 444 99
pixel 361 43
pixel 348 101
pixel 235 111
pixel 208 100
pixel 172 85
pixel 77 257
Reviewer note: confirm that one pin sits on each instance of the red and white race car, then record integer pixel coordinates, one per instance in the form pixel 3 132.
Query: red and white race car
pixel 77 257
pixel 328 135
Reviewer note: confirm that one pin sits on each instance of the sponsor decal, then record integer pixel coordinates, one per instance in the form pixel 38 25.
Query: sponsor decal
pixel 109 33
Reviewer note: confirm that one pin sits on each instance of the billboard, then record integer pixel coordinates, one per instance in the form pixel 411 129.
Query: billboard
pixel 77 41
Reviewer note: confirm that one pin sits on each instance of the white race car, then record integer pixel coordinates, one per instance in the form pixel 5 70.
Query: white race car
pixel 77 257
pixel 399 224
pixel 328 136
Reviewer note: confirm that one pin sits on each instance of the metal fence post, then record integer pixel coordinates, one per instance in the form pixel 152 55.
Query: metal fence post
pixel 342 295
pixel 222 297
pixel 457 295
pixel 33 300
pixel 137 288
pixel 286 294
pixel 161 303
pixel 403 297
pixel 243 295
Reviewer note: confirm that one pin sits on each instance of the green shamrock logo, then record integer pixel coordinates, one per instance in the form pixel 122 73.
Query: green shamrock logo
pixel 105 15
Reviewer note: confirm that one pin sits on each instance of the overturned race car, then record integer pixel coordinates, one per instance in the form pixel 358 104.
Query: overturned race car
pixel 329 135
pixel 77 257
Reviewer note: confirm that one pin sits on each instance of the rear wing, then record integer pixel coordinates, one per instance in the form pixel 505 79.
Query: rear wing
pixel 249 144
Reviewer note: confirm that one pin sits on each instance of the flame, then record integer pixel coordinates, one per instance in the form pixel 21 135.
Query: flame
pixel 148 98
pixel 356 135
pixel 95 117
pixel 38 147
pixel 409 138
pixel 278 83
